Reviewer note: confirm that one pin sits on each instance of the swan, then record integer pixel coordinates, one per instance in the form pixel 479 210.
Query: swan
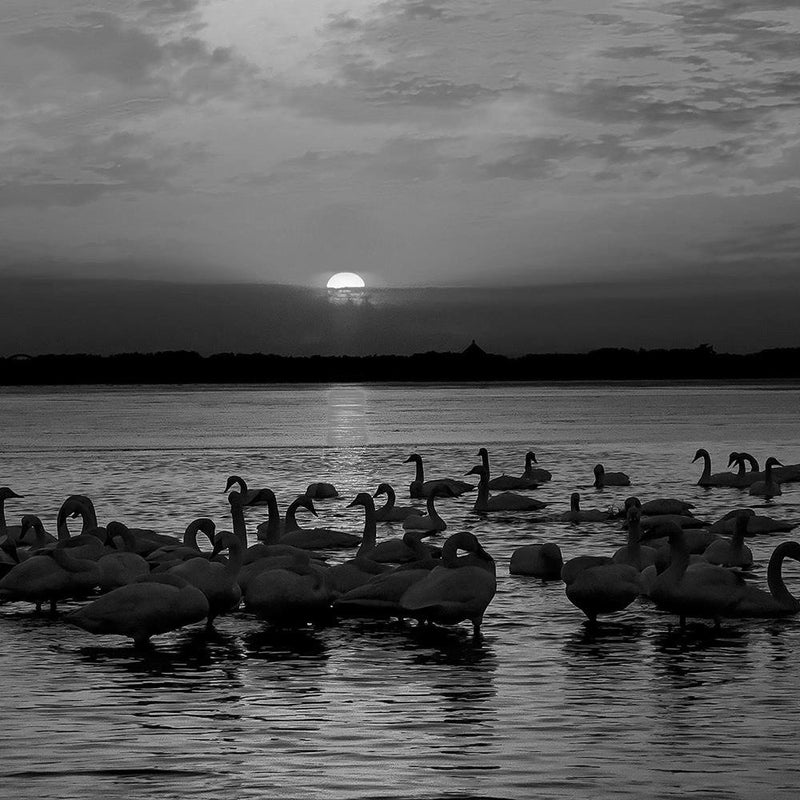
pixel 743 477
pixel 538 560
pixel 603 588
pixel 769 487
pixel 390 512
pixel 460 588
pixel 290 595
pixel 172 554
pixel 603 478
pixel 634 553
pixel 363 566
pixel 217 581
pixel 50 577
pixel 319 538
pixel 756 523
pixel 431 521
pixel 12 531
pixel 120 568
pixel 733 553
pixel 778 601
pixel 506 482
pixel 505 501
pixel 246 496
pixel 666 506
pixel 718 478
pixel 392 551
pixel 151 605
pixel 33 535
pixel 321 491
pixel 380 596
pixel 420 488
pixel 89 543
pixel 695 589
pixel 301 501
pixel 576 515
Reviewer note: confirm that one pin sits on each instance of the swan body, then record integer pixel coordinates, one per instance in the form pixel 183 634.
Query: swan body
pixel 769 487
pixel 151 605
pixel 667 506
pixel 123 567
pixel 391 512
pixel 634 553
pixel 698 590
pixel 718 478
pixel 537 560
pixel 733 553
pixel 577 564
pixel 217 581
pixel 603 478
pixel 778 601
pixel 290 596
pixel 755 524
pixel 505 501
pixel 576 515
pixel 321 491
pixel 50 578
pixel 604 589
pixel 460 588
pixel 380 597
pixel 421 489
pixel 656 520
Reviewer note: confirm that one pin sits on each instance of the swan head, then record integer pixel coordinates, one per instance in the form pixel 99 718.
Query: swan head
pixel 304 501
pixel 599 470
pixel 742 517
pixel 701 453
pixel 670 529
pixel 383 488
pixel 362 499
pixel 734 458
pixel 30 521
pixel 632 502
pixel 415 457
pixel 202 525
pixel 531 456
pixel 464 540
pixel 478 469
pixel 77 505
pixel 633 513
pixel 114 529
pixel 263 497
pixel 6 493
pixel 483 452
pixel 223 541
pixel 234 480
pixel 772 462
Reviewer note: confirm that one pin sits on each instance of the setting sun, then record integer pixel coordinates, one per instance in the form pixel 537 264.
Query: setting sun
pixel 346 280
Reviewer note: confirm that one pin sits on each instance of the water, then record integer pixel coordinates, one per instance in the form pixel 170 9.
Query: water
pixel 541 706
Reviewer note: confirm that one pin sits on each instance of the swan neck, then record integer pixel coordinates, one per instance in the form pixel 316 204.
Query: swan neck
pixel 239 525
pixel 235 556
pixel 777 586
pixel 706 466
pixel 432 512
pixel 420 472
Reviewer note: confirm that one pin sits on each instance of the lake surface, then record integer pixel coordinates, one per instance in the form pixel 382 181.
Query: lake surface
pixel 540 707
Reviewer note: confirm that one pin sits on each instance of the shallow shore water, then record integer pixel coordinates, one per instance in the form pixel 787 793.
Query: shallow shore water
pixel 542 705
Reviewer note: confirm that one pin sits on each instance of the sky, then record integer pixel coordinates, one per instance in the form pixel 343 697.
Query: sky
pixel 419 143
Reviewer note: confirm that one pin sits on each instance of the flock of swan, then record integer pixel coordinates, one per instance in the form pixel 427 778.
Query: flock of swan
pixel 139 583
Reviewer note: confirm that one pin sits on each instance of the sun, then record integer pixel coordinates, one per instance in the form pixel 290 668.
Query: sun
pixel 346 280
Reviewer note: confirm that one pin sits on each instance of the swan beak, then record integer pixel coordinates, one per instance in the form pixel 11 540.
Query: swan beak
pixel 476 470
pixel 408 460
pixel 354 503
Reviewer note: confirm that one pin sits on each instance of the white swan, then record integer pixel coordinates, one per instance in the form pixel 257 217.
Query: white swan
pixel 756 523
pixel 634 553
pixel 420 488
pixel 431 521
pixel 460 588
pixel 389 512
pixel 11 531
pixel 123 567
pixel 603 588
pixel 603 478
pixel 695 590
pixel 505 501
pixel 769 487
pixel 661 506
pixel 245 495
pixel 320 490
pixel 151 605
pixel 537 560
pixel 778 601
pixel 576 515
pixel 718 478
pixel 319 538
pixel 733 553
pixel 217 581
pixel 174 553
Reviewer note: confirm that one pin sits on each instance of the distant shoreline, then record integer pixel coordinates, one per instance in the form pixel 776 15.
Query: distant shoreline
pixel 470 366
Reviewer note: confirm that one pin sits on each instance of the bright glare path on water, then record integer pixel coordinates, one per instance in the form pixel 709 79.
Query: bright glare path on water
pixel 541 707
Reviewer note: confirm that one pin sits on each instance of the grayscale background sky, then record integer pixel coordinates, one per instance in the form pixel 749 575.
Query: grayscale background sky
pixel 633 168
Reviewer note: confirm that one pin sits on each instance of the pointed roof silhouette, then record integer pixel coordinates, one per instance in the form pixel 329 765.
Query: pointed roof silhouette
pixel 473 351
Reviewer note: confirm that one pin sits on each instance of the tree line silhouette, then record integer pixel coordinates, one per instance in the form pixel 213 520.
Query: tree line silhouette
pixel 471 365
